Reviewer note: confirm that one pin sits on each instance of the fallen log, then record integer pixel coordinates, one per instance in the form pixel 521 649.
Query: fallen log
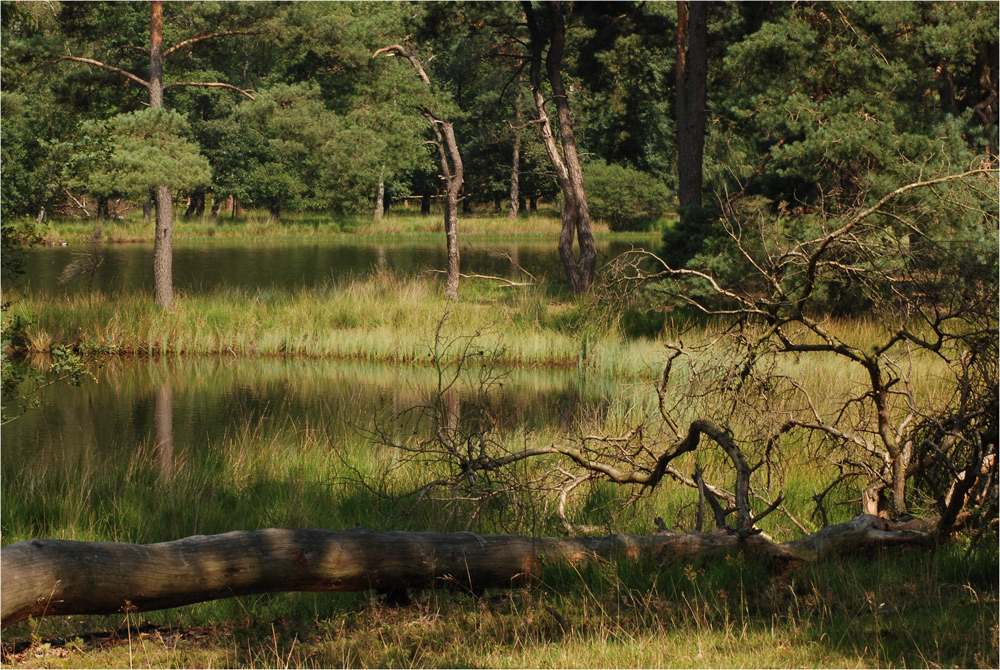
pixel 49 577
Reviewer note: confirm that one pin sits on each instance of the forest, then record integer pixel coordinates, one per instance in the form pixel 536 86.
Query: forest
pixel 506 334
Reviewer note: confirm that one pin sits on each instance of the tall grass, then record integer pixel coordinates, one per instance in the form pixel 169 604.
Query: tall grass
pixel 255 224
pixel 380 318
pixel 918 610
pixel 288 471
pixel 923 610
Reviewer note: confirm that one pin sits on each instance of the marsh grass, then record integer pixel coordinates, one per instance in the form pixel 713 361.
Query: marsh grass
pixel 254 224
pixel 379 318
pixel 900 610
pixel 928 610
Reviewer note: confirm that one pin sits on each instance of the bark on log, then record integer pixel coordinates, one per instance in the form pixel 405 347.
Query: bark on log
pixel 48 577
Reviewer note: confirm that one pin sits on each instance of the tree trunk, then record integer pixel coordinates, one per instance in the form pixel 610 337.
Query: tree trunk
pixel 379 199
pixel 52 577
pixel 515 161
pixel 425 204
pixel 163 282
pixel 196 205
pixel 575 213
pixel 692 78
pixel 452 171
pixel 453 179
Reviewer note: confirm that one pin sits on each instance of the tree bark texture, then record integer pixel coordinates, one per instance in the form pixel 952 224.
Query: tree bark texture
pixel 163 280
pixel 379 200
pixel 515 161
pixel 692 82
pixel 569 175
pixel 50 577
pixel 454 177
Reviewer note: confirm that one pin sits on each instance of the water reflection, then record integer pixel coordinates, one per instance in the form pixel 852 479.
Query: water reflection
pixel 169 409
pixel 207 265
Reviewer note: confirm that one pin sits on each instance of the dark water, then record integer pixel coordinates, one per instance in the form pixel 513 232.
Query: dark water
pixel 204 403
pixel 207 265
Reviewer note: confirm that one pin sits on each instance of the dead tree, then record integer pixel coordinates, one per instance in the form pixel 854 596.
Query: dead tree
pixel 50 577
pixel 878 440
pixel 925 298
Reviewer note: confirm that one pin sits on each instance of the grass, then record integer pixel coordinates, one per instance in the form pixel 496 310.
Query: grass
pixel 255 224
pixel 381 318
pixel 923 610
pixel 274 467
pixel 899 610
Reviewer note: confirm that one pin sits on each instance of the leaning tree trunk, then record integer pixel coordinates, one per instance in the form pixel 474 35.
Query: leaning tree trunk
pixel 163 281
pixel 569 175
pixel 50 577
pixel 452 171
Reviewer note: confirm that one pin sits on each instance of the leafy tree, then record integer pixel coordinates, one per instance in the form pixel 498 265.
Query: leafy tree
pixel 130 154
pixel 84 24
pixel 624 197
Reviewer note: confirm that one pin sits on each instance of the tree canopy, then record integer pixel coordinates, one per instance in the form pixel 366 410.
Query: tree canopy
pixel 809 106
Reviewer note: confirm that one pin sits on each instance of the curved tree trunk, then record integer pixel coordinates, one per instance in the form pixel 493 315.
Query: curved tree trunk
pixel 575 213
pixel 452 171
pixel 49 577
pixel 454 177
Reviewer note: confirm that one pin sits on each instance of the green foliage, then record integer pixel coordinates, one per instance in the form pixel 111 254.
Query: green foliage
pixel 27 169
pixel 856 93
pixel 623 197
pixel 696 230
pixel 130 154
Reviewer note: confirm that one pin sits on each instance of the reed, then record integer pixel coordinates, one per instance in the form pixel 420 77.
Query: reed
pixel 380 318
pixel 913 610
pixel 257 224
pixel 272 467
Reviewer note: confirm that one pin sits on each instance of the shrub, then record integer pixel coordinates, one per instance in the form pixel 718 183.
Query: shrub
pixel 625 198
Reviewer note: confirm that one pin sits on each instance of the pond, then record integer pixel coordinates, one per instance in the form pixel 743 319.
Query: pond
pixel 200 404
pixel 207 265
pixel 164 415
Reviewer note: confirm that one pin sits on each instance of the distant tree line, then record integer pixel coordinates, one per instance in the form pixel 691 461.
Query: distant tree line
pixel 793 107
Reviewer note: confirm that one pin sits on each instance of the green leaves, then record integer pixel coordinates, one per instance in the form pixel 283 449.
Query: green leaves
pixel 624 198
pixel 130 154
